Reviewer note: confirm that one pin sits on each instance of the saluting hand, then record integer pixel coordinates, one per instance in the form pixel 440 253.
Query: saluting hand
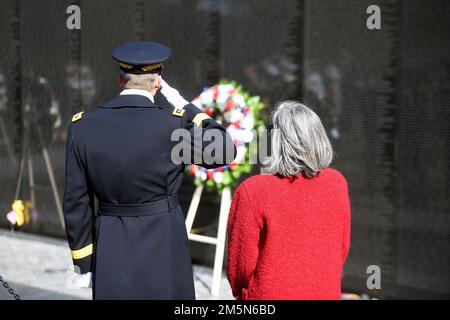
pixel 172 95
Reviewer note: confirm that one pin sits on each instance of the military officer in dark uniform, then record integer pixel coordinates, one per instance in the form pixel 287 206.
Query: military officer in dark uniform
pixel 136 244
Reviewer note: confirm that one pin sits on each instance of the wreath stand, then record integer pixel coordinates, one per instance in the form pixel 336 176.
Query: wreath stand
pixel 218 241
pixel 26 157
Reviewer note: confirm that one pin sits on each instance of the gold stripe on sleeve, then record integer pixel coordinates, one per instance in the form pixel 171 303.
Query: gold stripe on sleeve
pixel 83 252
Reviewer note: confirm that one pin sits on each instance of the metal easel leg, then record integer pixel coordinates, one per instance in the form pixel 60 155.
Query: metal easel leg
pixel 48 164
pixel 221 237
pixel 31 180
pixel 193 207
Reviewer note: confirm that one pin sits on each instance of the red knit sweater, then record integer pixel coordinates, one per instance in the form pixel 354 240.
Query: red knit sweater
pixel 289 239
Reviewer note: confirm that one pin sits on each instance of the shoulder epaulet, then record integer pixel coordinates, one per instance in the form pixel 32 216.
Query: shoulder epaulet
pixel 78 116
pixel 199 117
pixel 178 112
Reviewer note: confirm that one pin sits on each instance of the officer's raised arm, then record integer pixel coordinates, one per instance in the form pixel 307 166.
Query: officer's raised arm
pixel 78 204
pixel 210 144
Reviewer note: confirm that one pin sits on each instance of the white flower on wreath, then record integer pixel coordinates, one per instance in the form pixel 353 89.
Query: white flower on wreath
pixel 222 98
pixel 248 122
pixel 201 175
pixel 225 88
pixel 207 97
pixel 235 115
pixel 218 177
pixel 239 100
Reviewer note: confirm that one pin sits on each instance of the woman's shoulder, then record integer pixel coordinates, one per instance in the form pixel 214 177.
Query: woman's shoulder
pixel 257 185
pixel 334 175
pixel 258 181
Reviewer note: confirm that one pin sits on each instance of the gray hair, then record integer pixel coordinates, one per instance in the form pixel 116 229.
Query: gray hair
pixel 138 80
pixel 299 142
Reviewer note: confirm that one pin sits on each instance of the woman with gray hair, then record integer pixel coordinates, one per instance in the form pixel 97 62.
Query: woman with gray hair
pixel 289 229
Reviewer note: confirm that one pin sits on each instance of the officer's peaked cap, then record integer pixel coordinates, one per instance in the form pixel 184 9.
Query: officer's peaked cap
pixel 141 56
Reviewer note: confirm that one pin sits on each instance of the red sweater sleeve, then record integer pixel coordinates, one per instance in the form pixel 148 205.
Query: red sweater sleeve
pixel 243 239
pixel 347 223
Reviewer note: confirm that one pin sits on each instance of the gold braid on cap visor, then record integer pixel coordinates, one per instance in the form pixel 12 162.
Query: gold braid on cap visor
pixel 146 68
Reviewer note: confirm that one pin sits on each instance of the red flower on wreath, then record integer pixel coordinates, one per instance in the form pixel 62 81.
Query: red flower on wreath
pixel 208 112
pixel 229 105
pixel 215 92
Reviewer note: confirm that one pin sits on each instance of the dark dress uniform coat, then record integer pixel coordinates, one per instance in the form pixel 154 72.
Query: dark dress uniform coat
pixel 136 243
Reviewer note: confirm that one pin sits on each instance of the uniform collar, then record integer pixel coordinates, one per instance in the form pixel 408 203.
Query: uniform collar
pixel 140 92
pixel 130 99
